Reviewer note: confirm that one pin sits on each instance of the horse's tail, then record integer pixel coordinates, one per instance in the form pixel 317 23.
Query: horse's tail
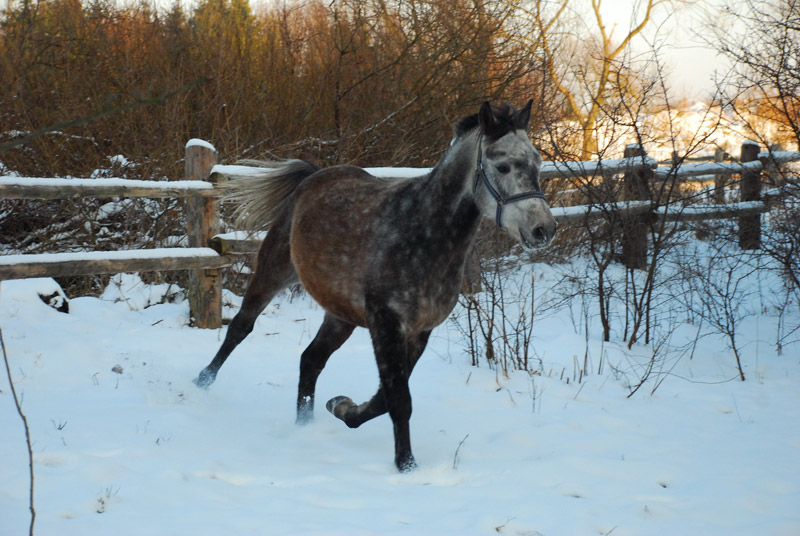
pixel 261 194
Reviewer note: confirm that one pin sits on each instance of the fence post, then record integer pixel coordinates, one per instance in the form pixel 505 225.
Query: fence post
pixel 719 180
pixel 774 176
pixel 750 190
pixel 202 223
pixel 634 227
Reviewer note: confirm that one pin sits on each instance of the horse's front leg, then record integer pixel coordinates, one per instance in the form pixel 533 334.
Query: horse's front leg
pixel 392 354
pixel 354 415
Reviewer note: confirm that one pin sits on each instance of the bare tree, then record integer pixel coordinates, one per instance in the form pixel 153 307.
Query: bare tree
pixel 762 42
pixel 588 67
pixel 720 282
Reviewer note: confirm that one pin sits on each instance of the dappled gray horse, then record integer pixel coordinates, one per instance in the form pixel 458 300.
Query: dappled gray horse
pixel 385 254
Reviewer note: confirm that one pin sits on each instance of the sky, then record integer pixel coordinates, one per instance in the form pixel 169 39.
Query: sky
pixel 690 61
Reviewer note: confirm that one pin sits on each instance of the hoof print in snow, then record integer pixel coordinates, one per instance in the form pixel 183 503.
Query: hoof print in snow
pixel 57 300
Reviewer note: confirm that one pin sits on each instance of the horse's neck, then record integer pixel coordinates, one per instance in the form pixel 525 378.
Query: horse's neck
pixel 454 177
pixel 451 212
pixel 446 202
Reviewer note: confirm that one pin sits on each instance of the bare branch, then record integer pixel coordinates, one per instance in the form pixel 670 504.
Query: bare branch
pixel 27 433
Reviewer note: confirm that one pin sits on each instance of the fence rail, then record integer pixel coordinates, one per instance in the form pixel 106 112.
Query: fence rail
pixel 109 262
pixel 764 160
pixel 579 213
pixel 208 251
pixel 44 188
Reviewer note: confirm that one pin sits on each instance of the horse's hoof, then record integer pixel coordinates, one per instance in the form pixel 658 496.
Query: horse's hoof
pixel 304 419
pixel 407 464
pixel 205 379
pixel 338 406
pixel 305 411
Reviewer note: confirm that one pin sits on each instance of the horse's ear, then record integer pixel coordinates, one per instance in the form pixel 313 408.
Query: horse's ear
pixel 522 118
pixel 486 118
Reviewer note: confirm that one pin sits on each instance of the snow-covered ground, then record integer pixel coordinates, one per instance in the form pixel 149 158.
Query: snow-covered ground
pixel 124 443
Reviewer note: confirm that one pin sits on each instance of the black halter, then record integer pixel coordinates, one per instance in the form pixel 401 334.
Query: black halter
pixel 499 199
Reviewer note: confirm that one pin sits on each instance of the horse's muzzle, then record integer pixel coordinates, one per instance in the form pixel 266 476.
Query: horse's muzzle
pixel 540 236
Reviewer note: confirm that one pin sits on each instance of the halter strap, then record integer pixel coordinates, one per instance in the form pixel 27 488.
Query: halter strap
pixel 496 195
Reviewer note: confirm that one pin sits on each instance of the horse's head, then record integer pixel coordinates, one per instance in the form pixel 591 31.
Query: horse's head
pixel 507 186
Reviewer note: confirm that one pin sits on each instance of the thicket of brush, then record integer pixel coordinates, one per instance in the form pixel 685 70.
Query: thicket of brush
pixel 363 82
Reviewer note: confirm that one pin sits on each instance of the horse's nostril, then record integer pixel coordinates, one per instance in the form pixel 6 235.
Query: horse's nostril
pixel 540 234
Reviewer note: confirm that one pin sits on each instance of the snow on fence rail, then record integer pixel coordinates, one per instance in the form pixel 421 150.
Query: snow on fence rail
pixel 729 168
pixel 44 188
pixel 675 212
pixel 209 251
pixel 109 262
pixel 591 168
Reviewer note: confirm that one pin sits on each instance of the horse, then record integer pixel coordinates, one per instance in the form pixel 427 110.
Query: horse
pixel 385 254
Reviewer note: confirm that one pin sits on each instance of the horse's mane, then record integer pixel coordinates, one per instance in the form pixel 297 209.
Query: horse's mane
pixel 503 112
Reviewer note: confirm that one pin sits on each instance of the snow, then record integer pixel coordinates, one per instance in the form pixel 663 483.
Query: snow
pixel 711 210
pixel 398 172
pixel 109 182
pixel 595 167
pixel 386 172
pixel 155 253
pixel 780 157
pixel 202 143
pixel 119 160
pixel 242 235
pixel 125 444
pixel 709 168
pixel 236 170
pixel 577 212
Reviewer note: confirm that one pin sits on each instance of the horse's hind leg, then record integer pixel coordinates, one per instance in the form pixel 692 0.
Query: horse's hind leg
pixel 273 273
pixel 329 338
pixel 256 299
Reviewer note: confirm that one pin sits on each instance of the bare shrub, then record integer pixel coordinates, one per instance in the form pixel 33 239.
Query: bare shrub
pixel 718 289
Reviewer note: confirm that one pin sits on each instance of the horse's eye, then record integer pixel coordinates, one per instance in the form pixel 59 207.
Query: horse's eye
pixel 503 168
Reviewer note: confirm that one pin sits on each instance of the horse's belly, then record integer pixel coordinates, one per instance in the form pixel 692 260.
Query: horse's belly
pixel 329 239
pixel 337 297
pixel 331 273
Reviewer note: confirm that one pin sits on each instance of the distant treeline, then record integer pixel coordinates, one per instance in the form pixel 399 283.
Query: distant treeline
pixel 355 81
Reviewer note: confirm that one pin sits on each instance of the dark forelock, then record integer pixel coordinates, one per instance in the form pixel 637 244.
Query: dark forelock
pixel 503 113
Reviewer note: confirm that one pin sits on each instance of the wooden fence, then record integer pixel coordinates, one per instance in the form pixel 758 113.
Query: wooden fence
pixel 640 172
pixel 208 251
pixel 202 207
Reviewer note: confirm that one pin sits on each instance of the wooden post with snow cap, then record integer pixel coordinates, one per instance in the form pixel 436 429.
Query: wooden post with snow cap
pixel 202 223
pixel 634 227
pixel 750 190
